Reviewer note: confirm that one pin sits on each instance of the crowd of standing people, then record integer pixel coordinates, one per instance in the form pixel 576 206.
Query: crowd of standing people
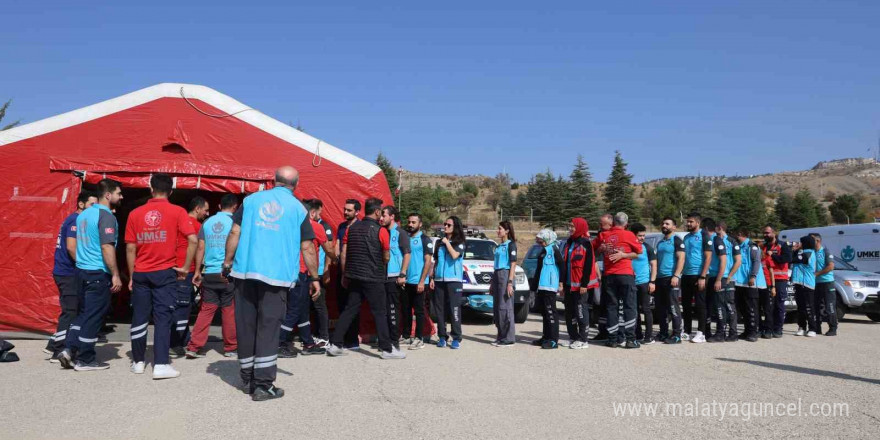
pixel 265 263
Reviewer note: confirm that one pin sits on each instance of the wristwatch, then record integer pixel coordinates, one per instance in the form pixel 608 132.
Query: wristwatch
pixel 702 277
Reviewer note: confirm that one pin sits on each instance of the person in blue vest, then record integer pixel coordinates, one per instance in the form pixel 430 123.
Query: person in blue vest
pixel 693 279
pixel 64 273
pixel 269 232
pixel 667 296
pixel 217 293
pixel 503 284
pixel 749 279
pixel 417 279
pixel 645 268
pixel 326 255
pixel 547 284
pixel 446 284
pixel 803 276
pixel 396 270
pixel 826 295
pixel 726 260
pixel 97 232
pixel 710 281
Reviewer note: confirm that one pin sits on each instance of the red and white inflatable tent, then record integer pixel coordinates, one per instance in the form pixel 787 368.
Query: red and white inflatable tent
pixel 206 140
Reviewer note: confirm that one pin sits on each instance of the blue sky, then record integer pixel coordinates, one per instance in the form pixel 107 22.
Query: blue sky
pixel 734 87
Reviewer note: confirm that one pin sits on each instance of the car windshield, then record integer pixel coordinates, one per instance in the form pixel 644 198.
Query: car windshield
pixel 479 250
pixel 842 265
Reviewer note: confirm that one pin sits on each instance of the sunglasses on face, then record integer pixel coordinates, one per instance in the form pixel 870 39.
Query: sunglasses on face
pixel 448 225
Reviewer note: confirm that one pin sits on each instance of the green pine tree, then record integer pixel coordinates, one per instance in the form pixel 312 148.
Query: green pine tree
pixel 667 200
pixel 389 171
pixel 3 113
pixel 619 190
pixel 580 200
pixel 701 197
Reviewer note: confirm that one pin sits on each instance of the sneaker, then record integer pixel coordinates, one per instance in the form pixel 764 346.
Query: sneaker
pixel 632 344
pixel 742 335
pixel 495 343
pixel 320 343
pixel 261 394
pixel 506 344
pixel 578 345
pixel 65 359
pixel 647 341
pixel 800 331
pixel 673 340
pixel 717 337
pixel 177 351
pixel 811 334
pixel 698 338
pixel 417 345
pixel 752 338
pixel 93 366
pixel 610 344
pixel 549 345
pixel 408 341
pixel 832 332
pixel 286 352
pixel 355 347
pixel 601 337
pixel 194 354
pixel 538 342
pixel 313 349
pixel 333 350
pixel 54 359
pixel 766 335
pixel 230 354
pixel 777 335
pixel 731 338
pixel 393 354
pixel 455 345
pixel 684 337
pixel 138 367
pixel 164 371
pixel 441 343
pixel 48 351
pixel 621 344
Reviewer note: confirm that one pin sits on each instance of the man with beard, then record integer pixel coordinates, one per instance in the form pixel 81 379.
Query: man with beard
pixel 396 269
pixel 96 235
pixel 777 256
pixel 350 210
pixel 693 294
pixel 413 299
pixel 670 263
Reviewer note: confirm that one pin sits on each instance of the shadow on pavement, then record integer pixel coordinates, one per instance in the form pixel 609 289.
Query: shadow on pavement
pixel 803 370
pixel 227 370
pixel 108 351
pixel 480 340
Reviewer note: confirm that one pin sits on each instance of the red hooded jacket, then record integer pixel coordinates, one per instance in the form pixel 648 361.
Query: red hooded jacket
pixel 577 257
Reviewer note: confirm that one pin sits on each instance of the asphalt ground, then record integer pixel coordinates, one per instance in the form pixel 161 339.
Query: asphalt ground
pixel 479 391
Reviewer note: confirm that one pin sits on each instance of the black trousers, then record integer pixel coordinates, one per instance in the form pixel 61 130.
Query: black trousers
pixel 322 317
pixel 392 310
pixel 723 306
pixel 826 305
pixel 447 304
pixel 351 335
pixel 69 301
pixel 621 291
pixel 747 308
pixel 186 294
pixel 577 313
pixel 358 291
pixel 643 297
pixel 765 313
pixel 550 331
pixel 666 301
pixel 806 303
pixel 779 305
pixel 259 309
pixel 413 302
pixel 693 303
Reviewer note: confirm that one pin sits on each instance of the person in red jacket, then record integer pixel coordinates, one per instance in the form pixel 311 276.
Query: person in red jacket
pixel 777 256
pixel 619 247
pixel 577 272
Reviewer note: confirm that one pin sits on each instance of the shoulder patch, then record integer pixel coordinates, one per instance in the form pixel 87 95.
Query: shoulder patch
pixel 709 242
pixel 736 248
pixel 721 247
pixel 830 257
pixel 681 246
pixel 512 252
pixel 430 245
pixel 461 246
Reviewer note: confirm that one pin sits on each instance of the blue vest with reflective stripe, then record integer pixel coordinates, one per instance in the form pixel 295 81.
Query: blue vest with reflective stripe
pixel 549 280
pixel 642 267
pixel 741 277
pixel 821 259
pixel 502 256
pixel 447 269
pixel 269 247
pixel 395 263
pixel 417 258
pixel 805 274
pixel 88 239
pixel 693 253
pixel 215 230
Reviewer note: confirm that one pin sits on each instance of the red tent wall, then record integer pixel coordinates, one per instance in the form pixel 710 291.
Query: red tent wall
pixel 164 134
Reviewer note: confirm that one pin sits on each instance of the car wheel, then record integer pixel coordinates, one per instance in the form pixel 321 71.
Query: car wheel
pixel 873 316
pixel 841 309
pixel 521 313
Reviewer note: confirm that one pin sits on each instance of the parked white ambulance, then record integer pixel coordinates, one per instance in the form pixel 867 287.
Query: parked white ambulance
pixel 858 245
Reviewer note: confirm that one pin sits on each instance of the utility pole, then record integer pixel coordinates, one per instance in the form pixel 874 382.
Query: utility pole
pixel 531 215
